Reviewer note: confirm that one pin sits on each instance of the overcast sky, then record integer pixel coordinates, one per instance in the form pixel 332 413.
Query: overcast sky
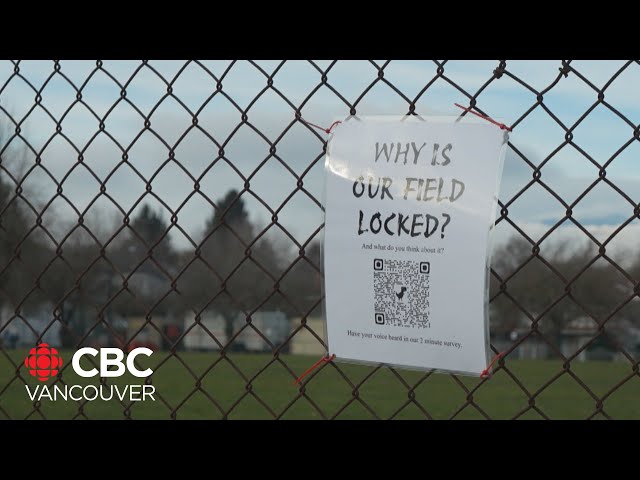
pixel 568 172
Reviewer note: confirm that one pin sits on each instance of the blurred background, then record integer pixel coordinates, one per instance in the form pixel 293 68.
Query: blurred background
pixel 178 205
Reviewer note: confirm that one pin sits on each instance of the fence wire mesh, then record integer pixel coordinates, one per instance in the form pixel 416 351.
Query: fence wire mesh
pixel 101 246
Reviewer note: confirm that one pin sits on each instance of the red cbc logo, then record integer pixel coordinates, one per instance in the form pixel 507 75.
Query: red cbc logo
pixel 43 362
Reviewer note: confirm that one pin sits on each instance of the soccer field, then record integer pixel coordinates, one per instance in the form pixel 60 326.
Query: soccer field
pixel 440 395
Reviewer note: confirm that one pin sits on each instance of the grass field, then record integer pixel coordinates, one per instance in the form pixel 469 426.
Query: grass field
pixel 440 395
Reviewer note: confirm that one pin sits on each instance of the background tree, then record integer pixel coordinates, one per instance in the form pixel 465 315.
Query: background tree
pixel 16 246
pixel 233 271
pixel 24 250
pixel 145 253
pixel 592 292
pixel 303 283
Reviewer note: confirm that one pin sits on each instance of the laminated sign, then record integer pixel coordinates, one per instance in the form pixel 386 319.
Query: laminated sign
pixel 410 203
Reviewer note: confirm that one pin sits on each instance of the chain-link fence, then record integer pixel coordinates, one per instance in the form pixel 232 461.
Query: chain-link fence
pixel 177 206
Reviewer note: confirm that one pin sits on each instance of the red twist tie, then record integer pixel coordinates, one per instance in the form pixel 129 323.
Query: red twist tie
pixel 484 117
pixel 325 130
pixel 485 372
pixel 313 367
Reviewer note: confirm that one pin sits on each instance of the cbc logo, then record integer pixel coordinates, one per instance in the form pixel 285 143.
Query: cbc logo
pixel 44 362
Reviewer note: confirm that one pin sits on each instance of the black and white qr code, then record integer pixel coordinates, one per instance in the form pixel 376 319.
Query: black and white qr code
pixel 401 292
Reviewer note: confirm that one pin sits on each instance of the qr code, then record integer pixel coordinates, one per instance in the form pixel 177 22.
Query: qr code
pixel 401 291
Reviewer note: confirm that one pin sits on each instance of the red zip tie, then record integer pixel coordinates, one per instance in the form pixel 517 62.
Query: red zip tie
pixel 488 119
pixel 485 372
pixel 325 130
pixel 313 367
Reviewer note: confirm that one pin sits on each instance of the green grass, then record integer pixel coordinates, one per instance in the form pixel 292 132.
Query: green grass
pixel 383 392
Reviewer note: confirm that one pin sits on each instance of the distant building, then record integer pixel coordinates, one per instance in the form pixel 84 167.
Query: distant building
pixel 273 325
pixel 23 330
pixel 142 334
pixel 304 342
pixel 578 333
pixel 210 333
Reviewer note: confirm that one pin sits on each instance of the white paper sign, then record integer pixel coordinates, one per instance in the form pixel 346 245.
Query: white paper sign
pixel 410 203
